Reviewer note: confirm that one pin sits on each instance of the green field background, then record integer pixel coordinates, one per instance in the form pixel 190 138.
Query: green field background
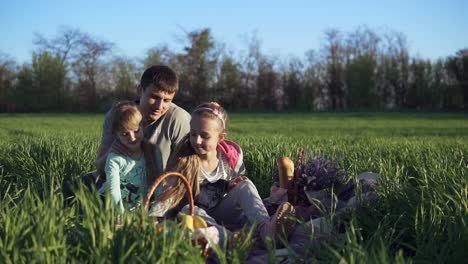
pixel 422 215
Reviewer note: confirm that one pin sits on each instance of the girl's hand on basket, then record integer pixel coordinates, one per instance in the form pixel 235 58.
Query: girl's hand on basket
pixel 235 181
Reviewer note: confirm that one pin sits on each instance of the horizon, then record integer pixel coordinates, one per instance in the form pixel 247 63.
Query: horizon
pixel 433 29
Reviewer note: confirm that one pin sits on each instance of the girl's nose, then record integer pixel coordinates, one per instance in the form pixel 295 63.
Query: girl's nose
pixel 132 136
pixel 199 140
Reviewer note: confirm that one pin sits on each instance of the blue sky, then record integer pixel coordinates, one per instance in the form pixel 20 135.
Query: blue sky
pixel 433 28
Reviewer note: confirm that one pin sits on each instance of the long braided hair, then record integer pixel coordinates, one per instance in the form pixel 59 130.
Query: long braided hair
pixel 185 160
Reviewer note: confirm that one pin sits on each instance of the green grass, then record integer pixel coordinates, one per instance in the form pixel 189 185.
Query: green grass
pixel 422 215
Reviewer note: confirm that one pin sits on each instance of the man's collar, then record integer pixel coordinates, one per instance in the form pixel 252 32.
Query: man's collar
pixel 153 122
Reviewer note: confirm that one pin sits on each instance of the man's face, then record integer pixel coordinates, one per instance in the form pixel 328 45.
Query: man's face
pixel 154 103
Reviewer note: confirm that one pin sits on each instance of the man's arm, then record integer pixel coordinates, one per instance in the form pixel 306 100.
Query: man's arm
pixel 102 153
pixel 180 126
pixel 106 142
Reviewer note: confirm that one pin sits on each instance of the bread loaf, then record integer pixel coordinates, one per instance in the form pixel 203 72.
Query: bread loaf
pixel 286 172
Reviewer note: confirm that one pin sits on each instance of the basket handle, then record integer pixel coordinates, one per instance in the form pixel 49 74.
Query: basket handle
pixel 297 173
pixel 300 160
pixel 160 179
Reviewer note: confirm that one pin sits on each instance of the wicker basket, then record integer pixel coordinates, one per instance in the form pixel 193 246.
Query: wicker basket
pixel 201 242
pixel 160 179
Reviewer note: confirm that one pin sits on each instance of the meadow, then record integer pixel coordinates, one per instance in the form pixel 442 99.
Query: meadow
pixel 421 216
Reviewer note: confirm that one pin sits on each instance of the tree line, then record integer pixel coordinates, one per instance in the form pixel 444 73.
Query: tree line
pixel 361 69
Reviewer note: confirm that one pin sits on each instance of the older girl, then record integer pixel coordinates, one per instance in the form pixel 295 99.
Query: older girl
pixel 214 167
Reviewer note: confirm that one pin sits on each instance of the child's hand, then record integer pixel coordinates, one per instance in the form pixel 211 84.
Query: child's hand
pixel 235 181
pixel 119 148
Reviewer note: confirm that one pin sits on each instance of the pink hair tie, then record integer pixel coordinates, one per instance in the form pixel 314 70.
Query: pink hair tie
pixel 216 112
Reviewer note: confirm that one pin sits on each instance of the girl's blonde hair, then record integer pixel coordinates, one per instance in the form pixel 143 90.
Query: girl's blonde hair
pixel 127 116
pixel 185 160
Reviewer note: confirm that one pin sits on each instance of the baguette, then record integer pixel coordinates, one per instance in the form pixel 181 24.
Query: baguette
pixel 286 171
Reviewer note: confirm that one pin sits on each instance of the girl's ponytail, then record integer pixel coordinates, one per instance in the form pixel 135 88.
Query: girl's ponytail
pixel 185 161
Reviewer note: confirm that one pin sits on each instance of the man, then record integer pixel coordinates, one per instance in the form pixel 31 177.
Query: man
pixel 164 126
pixel 165 123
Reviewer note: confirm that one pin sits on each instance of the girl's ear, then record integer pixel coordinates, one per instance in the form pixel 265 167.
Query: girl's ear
pixel 222 136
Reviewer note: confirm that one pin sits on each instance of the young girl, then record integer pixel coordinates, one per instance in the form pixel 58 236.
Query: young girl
pixel 128 176
pixel 215 169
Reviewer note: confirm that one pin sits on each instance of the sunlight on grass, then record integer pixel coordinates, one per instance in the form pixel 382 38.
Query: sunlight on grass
pixel 422 215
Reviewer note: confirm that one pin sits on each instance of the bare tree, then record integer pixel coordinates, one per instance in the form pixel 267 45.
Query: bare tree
pixel 267 85
pixel 7 77
pixel 458 67
pixel 362 41
pixel 334 54
pixel 395 67
pixel 250 62
pixel 64 45
pixel 440 83
pixel 315 90
pixel 84 55
pixel 88 66
pixel 293 85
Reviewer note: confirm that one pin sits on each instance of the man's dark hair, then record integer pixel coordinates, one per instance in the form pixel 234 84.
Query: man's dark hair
pixel 162 77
